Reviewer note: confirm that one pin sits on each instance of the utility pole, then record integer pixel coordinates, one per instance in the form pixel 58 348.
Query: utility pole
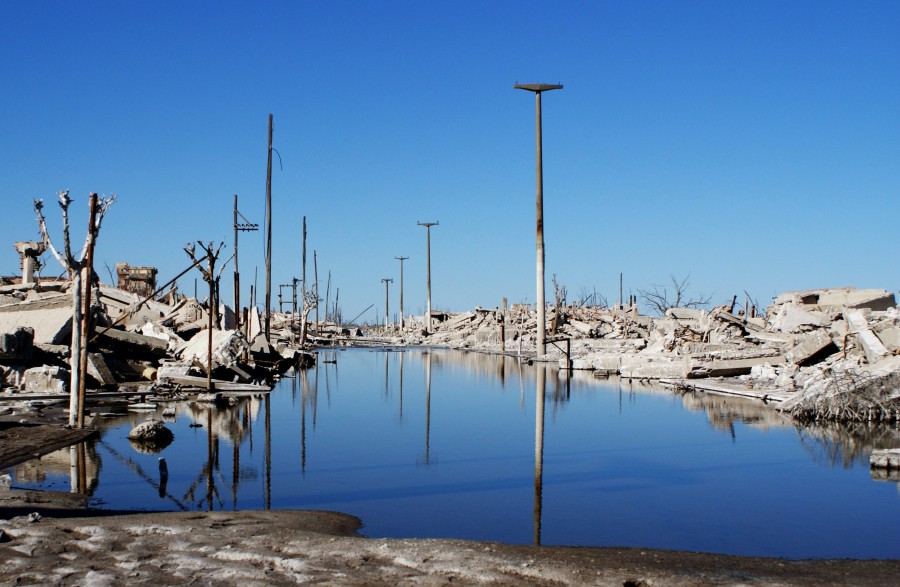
pixel 386 281
pixel 541 309
pixel 303 291
pixel 269 234
pixel 316 285
pixel 401 259
pixel 428 226
pixel 246 226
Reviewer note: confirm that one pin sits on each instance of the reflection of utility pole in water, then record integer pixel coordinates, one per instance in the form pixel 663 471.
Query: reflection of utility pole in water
pixel 303 387
pixel 427 407
pixel 386 394
pixel 268 488
pixel 209 460
pixel 401 386
pixel 78 468
pixel 235 458
pixel 538 450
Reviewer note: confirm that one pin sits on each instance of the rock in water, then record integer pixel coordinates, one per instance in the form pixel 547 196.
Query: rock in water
pixel 151 436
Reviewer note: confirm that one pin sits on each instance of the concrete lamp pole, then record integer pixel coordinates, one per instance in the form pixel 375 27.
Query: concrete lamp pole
pixel 401 259
pixel 538 89
pixel 386 281
pixel 428 226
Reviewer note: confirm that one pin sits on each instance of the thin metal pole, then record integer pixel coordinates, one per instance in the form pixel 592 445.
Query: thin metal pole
pixel 269 232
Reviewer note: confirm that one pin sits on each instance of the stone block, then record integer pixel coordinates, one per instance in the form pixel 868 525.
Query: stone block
pixel 46 379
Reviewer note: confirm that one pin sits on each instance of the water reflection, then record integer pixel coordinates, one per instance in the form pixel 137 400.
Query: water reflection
pixel 639 451
pixel 539 383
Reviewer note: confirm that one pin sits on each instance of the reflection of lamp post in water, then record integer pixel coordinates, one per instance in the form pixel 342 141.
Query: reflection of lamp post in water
pixel 538 450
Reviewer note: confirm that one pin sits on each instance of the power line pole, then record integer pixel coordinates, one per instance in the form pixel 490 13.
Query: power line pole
pixel 401 259
pixel 386 281
pixel 269 234
pixel 538 89
pixel 428 226
pixel 245 226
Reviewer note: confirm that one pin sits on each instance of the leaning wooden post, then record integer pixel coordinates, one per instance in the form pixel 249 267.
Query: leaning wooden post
pixel 87 279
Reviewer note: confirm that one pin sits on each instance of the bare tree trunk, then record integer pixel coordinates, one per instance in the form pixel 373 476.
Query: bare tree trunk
pixel 75 355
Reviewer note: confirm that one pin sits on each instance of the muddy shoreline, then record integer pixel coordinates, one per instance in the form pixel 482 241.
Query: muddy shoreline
pixel 290 547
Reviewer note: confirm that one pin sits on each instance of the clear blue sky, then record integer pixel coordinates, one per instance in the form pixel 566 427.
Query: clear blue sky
pixel 754 146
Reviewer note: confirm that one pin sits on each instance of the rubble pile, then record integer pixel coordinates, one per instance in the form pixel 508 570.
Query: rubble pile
pixel 139 344
pixel 824 354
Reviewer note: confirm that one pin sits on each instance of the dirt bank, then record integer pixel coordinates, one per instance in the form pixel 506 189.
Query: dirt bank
pixel 291 547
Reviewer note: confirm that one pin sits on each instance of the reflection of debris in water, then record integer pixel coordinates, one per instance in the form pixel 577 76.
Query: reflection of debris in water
pixel 845 443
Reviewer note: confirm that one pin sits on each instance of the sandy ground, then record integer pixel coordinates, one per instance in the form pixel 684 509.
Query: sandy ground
pixel 68 546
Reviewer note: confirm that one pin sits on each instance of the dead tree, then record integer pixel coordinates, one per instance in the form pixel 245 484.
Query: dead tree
pixel 78 269
pixel 310 301
pixel 658 297
pixel 560 293
pixel 209 276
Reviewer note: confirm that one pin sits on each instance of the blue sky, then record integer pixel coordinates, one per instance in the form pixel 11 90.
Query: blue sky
pixel 752 146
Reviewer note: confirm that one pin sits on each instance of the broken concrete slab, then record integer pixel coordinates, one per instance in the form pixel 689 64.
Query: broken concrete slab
pixel 99 370
pixel 133 342
pixel 793 318
pixel 870 343
pixel 731 367
pixel 50 318
pixel 811 348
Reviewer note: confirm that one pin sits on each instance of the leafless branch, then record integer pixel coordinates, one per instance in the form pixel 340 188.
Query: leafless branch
pixel 658 298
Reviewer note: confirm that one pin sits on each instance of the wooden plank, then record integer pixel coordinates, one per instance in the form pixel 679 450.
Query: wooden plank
pixel 22 443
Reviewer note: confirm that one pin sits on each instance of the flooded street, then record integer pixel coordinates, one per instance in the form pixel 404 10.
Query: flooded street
pixel 424 443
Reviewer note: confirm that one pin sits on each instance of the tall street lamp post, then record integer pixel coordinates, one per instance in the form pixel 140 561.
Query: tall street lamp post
pixel 538 89
pixel 428 226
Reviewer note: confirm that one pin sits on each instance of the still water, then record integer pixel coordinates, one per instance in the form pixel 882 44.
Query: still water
pixel 421 443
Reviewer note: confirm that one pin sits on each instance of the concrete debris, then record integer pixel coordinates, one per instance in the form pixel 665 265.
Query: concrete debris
pixel 807 344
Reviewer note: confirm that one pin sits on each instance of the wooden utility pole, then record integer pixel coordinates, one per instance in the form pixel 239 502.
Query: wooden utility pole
pixel 316 284
pixel 269 234
pixel 303 302
pixel 245 226
pixel 401 259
